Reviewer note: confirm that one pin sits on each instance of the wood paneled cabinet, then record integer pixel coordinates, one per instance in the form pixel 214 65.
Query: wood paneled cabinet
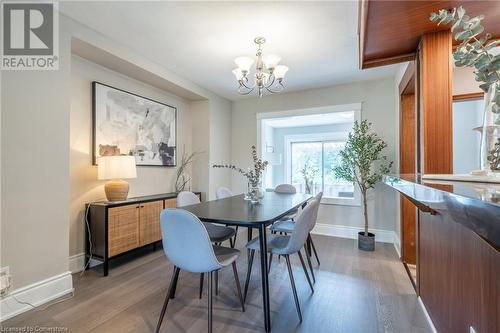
pixel 119 227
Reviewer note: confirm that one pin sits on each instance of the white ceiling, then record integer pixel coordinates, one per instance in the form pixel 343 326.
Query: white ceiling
pixel 199 40
pixel 311 120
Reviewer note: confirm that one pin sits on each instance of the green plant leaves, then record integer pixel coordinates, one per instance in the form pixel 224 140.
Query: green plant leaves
pixel 475 47
pixel 357 160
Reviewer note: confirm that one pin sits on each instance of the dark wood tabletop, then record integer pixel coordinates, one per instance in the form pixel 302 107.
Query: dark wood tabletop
pixel 235 210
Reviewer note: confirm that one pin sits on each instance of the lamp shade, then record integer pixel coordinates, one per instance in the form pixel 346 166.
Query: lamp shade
pixel 116 167
pixel 271 61
pixel 244 63
pixel 280 71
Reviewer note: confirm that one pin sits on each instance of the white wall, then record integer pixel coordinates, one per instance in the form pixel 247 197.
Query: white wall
pixel 378 107
pixel 466 116
pixel 220 144
pixel 84 186
pixel 38 207
pixel 35 171
pixel 464 81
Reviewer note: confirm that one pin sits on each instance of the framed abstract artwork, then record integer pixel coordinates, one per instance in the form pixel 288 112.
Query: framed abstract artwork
pixel 128 124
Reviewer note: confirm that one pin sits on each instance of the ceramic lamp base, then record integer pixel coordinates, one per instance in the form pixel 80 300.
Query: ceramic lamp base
pixel 116 190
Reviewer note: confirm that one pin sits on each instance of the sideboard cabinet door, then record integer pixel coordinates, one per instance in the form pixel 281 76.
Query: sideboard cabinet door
pixel 171 203
pixel 123 229
pixel 149 222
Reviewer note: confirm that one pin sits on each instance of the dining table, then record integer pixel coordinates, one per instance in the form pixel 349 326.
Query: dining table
pixel 236 211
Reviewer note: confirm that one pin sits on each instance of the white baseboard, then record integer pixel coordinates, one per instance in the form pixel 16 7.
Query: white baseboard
pixel 429 320
pixel 384 236
pixel 36 294
pixel 77 261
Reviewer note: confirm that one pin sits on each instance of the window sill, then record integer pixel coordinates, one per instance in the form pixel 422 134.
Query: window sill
pixel 341 202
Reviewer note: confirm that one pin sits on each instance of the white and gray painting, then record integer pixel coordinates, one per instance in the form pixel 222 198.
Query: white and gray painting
pixel 128 124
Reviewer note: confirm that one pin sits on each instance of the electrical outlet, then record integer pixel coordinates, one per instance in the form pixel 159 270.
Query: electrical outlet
pixel 5 280
pixel 471 329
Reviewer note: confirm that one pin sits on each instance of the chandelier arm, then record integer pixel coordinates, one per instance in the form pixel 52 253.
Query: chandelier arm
pixel 270 83
pixel 274 91
pixel 242 83
pixel 245 92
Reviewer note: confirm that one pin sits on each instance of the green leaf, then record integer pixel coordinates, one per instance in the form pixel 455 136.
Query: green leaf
pixel 460 12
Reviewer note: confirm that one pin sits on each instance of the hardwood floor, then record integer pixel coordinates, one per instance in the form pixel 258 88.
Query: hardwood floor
pixel 355 291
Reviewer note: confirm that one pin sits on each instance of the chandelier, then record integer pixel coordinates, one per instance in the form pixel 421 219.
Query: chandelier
pixel 268 74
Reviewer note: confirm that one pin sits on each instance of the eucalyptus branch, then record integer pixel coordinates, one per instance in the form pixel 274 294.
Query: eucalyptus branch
pixel 253 175
pixel 474 49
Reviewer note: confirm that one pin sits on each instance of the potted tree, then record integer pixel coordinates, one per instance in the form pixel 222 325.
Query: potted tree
pixel 362 151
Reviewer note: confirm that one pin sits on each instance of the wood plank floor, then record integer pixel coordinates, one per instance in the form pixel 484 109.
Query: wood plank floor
pixel 355 291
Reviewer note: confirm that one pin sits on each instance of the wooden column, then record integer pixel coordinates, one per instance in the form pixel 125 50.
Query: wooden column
pixel 435 70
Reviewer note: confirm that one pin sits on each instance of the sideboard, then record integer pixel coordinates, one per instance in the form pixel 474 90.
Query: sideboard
pixel 118 227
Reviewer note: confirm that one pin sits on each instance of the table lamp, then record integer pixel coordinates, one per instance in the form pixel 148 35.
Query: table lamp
pixel 116 168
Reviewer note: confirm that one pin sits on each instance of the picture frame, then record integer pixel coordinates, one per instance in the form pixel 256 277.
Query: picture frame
pixel 125 123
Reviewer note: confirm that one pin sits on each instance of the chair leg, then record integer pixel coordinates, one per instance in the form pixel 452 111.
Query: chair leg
pixel 176 278
pixel 308 245
pixel 216 273
pixel 308 256
pixel 314 249
pixel 249 272
pixel 167 298
pixel 238 286
pixel 235 235
pixel 305 271
pixel 292 281
pixel 210 295
pixel 202 275
pixel 270 261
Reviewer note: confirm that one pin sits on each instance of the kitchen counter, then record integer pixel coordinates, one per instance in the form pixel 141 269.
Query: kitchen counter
pixel 474 205
pixel 458 250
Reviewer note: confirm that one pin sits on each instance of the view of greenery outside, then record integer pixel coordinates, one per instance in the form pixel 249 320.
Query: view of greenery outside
pixel 318 160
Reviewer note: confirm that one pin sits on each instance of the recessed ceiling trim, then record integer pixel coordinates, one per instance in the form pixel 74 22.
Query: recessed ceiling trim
pixel 106 59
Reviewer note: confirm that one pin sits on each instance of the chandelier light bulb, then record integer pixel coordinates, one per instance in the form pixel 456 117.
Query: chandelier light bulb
pixel 271 61
pixel 244 63
pixel 280 71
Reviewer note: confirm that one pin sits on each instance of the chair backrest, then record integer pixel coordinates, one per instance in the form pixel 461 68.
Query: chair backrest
pixel 186 242
pixel 186 198
pixel 285 188
pixel 303 225
pixel 318 199
pixel 223 192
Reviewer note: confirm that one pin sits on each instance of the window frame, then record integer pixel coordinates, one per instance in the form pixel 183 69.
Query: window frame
pixel 318 137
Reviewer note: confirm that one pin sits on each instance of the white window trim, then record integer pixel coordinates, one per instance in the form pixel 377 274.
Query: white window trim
pixel 356 107
pixel 318 137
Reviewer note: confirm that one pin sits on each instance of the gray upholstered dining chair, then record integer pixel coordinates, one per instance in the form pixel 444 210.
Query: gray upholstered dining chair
pixel 188 246
pixel 285 246
pixel 222 193
pixel 287 189
pixel 288 226
pixel 217 233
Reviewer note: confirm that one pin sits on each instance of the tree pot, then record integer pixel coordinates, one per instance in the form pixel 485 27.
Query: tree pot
pixel 366 243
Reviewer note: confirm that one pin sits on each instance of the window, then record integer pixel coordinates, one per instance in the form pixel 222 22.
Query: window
pixel 310 159
pixel 302 147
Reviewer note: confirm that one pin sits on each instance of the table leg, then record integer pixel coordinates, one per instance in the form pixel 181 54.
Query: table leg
pixel 264 277
pixel 249 238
